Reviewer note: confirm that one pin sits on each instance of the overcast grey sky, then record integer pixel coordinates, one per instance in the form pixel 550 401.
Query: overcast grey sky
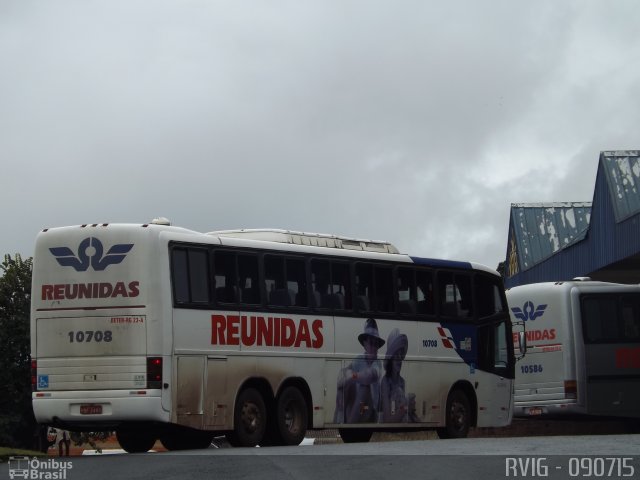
pixel 416 122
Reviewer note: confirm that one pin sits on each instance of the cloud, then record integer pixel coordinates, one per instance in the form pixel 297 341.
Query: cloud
pixel 414 122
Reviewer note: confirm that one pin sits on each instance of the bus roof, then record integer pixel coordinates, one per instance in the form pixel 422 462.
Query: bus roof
pixel 310 239
pixel 582 283
pixel 283 240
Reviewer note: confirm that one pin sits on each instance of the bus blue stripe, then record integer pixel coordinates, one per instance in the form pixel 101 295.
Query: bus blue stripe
pixel 434 262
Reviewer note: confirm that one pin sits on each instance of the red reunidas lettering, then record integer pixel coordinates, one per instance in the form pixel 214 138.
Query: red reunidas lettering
pixel 537 335
pixel 269 331
pixel 78 291
pixel 628 358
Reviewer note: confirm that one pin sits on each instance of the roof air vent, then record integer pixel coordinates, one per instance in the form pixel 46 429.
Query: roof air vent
pixel 161 221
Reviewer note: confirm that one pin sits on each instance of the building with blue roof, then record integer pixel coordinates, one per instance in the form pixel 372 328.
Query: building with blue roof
pixel 598 239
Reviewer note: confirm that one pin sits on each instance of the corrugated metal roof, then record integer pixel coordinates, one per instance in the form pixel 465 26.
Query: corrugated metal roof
pixel 622 169
pixel 542 229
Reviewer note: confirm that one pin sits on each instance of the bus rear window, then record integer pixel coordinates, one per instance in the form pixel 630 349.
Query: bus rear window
pixel 611 318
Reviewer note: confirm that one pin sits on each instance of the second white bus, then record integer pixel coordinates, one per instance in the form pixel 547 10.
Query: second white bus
pixel 583 353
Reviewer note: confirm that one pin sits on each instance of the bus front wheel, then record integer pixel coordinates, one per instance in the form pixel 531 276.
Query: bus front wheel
pixel 249 419
pixel 135 441
pixel 355 435
pixel 291 416
pixel 458 416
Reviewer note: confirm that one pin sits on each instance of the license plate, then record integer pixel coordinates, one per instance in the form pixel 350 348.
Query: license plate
pixel 90 409
pixel 535 411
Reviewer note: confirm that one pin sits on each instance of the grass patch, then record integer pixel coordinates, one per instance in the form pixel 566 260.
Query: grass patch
pixel 6 452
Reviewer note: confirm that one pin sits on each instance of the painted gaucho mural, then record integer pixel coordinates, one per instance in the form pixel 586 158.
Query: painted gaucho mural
pixel 370 390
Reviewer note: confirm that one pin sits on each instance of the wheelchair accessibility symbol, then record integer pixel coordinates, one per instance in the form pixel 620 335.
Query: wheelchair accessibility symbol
pixel 43 381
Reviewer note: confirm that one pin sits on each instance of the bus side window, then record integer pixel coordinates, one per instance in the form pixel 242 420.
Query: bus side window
pixel 296 281
pixel 384 289
pixel 364 287
pixel 630 319
pixel 406 295
pixel 447 294
pixel 488 296
pixel 190 275
pixel 180 275
pixel 600 317
pixel 455 295
pixel 465 299
pixel 248 275
pixel 224 271
pixel 274 282
pixel 340 286
pixel 320 283
pixel 424 292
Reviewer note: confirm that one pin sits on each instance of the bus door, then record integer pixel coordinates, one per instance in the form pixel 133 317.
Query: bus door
pixel 495 356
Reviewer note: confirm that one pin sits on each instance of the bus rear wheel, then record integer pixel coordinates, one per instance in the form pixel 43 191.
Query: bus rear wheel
pixel 355 435
pixel 458 416
pixel 135 441
pixel 249 419
pixel 291 416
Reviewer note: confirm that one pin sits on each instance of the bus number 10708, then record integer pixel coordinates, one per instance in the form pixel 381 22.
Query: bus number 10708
pixel 86 336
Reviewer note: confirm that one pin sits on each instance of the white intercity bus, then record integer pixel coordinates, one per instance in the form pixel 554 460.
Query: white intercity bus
pixel 583 340
pixel 159 332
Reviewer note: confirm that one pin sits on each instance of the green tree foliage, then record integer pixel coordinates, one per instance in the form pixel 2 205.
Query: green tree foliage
pixel 17 423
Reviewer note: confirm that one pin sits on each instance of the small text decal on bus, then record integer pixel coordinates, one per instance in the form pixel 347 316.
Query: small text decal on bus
pixel 270 331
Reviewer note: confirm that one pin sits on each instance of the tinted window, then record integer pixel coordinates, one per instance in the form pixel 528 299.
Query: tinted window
pixel 340 286
pixel 180 274
pixel 320 282
pixel 384 289
pixel 611 318
pixel 190 275
pixel 285 281
pixel 248 284
pixel 224 269
pixel 296 281
pixel 455 295
pixel 199 275
pixel 424 292
pixel 364 287
pixel 489 295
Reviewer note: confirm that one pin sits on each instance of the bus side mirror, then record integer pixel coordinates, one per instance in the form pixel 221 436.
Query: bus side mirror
pixel 522 344
pixel 522 340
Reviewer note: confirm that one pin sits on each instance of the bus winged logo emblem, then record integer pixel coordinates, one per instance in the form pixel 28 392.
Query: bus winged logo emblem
pixel 528 312
pixel 90 254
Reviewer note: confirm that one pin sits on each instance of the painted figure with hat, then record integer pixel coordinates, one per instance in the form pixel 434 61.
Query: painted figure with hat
pixel 358 393
pixel 396 407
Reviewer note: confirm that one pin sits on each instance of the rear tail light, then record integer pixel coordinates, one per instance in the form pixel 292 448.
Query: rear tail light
pixel 34 375
pixel 570 389
pixel 154 372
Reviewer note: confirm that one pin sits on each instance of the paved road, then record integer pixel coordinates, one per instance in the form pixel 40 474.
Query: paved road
pixel 474 458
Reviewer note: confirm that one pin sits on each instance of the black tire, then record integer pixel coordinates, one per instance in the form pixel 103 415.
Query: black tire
pixel 249 419
pixel 186 439
pixel 291 416
pixel 135 441
pixel 458 416
pixel 355 435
